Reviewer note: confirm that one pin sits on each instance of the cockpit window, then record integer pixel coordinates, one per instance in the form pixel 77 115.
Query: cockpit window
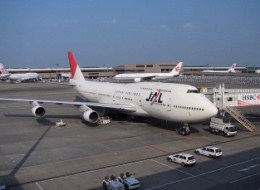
pixel 193 91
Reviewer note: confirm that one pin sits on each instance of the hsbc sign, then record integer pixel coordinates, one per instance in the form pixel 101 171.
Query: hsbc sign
pixel 248 97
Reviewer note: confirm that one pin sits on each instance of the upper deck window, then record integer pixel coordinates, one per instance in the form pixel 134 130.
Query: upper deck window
pixel 193 91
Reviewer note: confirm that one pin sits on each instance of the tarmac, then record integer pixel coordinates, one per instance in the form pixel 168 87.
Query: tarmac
pixel 36 154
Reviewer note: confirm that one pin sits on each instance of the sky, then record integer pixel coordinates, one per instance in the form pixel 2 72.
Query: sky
pixel 38 34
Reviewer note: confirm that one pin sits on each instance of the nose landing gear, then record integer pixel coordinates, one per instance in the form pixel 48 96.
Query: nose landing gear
pixel 185 129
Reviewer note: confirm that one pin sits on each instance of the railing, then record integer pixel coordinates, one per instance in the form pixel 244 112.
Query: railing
pixel 240 118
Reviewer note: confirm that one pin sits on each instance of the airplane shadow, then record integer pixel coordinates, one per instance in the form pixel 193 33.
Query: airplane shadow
pixel 46 122
pixel 171 126
pixel 162 124
pixel 10 181
pixel 45 118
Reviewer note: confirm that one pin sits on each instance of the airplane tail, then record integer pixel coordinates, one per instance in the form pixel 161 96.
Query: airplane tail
pixel 75 71
pixel 232 68
pixel 176 70
pixel 3 70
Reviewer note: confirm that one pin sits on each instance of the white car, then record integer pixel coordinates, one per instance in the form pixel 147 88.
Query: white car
pixel 209 151
pixel 182 158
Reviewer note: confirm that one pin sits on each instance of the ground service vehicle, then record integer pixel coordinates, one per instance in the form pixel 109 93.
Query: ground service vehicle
pixel 112 183
pixel 218 126
pixel 182 158
pixel 60 124
pixel 129 181
pixel 209 151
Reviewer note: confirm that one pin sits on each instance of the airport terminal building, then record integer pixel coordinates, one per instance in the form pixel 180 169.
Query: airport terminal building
pixel 109 72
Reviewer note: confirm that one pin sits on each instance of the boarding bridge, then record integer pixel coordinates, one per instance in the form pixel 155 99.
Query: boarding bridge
pixel 227 100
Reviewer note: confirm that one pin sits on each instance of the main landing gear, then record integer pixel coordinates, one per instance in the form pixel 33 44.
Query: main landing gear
pixel 185 129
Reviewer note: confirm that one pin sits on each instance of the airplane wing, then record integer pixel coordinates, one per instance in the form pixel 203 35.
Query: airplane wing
pixel 122 107
pixel 147 78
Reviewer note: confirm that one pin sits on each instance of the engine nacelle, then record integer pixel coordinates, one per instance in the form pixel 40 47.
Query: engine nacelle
pixel 137 79
pixel 38 111
pixel 89 114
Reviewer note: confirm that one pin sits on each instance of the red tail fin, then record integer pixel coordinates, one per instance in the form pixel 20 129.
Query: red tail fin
pixel 3 70
pixel 74 68
pixel 73 63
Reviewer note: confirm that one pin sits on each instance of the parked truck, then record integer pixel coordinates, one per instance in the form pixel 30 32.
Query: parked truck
pixel 129 181
pixel 112 183
pixel 220 126
pixel 124 181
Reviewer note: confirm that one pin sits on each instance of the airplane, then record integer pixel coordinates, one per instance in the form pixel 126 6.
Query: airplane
pixel 230 70
pixel 18 77
pixel 150 76
pixel 4 73
pixel 166 101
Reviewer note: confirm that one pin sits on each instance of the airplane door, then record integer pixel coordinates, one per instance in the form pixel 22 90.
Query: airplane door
pixel 169 104
pixel 114 97
pixel 140 103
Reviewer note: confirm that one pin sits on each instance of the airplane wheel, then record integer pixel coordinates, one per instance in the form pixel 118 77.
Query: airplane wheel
pixel 183 133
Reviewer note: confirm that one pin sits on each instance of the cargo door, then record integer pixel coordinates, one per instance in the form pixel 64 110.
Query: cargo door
pixel 169 104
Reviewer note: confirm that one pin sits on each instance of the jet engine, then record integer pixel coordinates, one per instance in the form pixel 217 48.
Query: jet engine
pixel 137 79
pixel 37 110
pixel 89 114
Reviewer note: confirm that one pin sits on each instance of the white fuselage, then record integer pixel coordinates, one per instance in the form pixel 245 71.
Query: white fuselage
pixel 152 76
pixel 215 71
pixel 167 101
pixel 141 75
pixel 230 70
pixel 4 76
pixel 24 76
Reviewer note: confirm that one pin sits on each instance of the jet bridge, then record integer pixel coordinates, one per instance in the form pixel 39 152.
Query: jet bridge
pixel 228 100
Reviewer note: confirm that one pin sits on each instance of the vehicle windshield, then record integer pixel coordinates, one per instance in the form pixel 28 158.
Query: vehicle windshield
pixel 231 129
pixel 134 184
pixel 218 150
pixel 191 158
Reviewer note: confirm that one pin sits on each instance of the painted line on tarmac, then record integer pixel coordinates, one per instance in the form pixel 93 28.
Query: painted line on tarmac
pixel 202 174
pixel 243 178
pixel 39 186
pixel 189 174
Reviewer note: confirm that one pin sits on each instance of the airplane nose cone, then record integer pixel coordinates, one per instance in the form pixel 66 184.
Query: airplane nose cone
pixel 213 110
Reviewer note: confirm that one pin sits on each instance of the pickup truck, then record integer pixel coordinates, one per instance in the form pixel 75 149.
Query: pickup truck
pixel 218 126
pixel 112 183
pixel 129 181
